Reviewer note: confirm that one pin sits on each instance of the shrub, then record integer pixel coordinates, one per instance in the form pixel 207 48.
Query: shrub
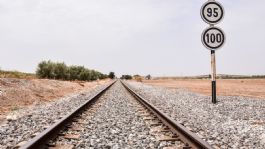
pixel 51 70
pixel 85 75
pixel 148 77
pixel 60 71
pixel 74 72
pixel 138 78
pixel 126 77
pixel 45 69
pixel 111 75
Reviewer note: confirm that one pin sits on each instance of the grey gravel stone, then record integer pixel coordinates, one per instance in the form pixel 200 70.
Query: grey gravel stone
pixel 24 123
pixel 235 122
pixel 115 124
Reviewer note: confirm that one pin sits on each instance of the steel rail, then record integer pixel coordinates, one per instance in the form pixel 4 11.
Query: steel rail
pixel 40 141
pixel 189 138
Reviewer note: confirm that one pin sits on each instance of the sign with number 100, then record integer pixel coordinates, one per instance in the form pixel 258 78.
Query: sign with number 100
pixel 212 12
pixel 213 38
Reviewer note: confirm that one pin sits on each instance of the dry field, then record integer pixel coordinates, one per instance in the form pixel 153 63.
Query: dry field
pixel 17 93
pixel 228 87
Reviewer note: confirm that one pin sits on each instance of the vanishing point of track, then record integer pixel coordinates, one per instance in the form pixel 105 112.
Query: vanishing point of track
pixel 180 132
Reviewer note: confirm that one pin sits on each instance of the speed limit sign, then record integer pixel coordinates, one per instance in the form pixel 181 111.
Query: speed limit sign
pixel 213 38
pixel 212 12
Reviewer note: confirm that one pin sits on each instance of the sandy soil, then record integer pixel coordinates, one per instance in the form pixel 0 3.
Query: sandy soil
pixel 17 93
pixel 234 87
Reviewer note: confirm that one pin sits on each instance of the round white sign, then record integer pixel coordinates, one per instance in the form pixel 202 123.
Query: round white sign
pixel 212 12
pixel 213 38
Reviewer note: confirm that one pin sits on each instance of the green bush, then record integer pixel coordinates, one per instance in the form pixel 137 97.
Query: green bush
pixel 74 73
pixel 52 70
pixel 60 71
pixel 45 70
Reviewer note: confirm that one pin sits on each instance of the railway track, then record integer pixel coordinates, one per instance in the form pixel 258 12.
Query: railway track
pixel 157 121
pixel 181 133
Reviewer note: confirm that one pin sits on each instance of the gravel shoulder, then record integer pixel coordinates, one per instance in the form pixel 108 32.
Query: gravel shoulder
pixel 23 124
pixel 20 93
pixel 235 122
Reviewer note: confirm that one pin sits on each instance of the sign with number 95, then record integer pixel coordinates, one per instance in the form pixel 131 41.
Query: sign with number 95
pixel 212 12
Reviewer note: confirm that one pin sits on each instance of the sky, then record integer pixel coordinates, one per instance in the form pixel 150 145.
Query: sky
pixel 157 37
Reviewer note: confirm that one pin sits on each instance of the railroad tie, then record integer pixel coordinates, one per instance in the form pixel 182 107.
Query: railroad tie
pixel 72 136
pixel 20 144
pixel 156 123
pixel 34 135
pixel 167 138
pixel 149 118
pixel 166 129
pixel 77 128
pixel 62 146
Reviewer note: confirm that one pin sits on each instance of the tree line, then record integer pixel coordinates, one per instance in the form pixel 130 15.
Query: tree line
pixel 136 77
pixel 60 71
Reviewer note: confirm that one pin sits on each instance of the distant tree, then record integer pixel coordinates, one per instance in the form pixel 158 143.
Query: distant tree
pixel 103 76
pixel 111 75
pixel 51 70
pixel 45 69
pixel 148 77
pixel 75 71
pixel 60 71
pixel 40 72
pixel 94 75
pixel 85 75
pixel 126 77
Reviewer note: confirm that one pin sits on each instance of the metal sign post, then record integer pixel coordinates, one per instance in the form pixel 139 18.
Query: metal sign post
pixel 213 66
pixel 213 37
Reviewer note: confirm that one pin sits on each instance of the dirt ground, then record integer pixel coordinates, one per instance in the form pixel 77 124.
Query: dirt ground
pixel 17 93
pixel 229 87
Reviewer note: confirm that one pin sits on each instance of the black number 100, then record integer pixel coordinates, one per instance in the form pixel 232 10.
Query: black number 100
pixel 212 38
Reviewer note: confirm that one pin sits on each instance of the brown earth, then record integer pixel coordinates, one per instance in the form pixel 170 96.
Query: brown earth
pixel 226 87
pixel 17 93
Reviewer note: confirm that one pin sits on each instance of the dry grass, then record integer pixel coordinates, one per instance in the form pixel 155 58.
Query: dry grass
pixel 16 74
pixel 227 87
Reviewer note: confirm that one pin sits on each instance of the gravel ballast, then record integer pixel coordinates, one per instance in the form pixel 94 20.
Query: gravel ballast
pixel 115 124
pixel 116 120
pixel 234 122
pixel 24 123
